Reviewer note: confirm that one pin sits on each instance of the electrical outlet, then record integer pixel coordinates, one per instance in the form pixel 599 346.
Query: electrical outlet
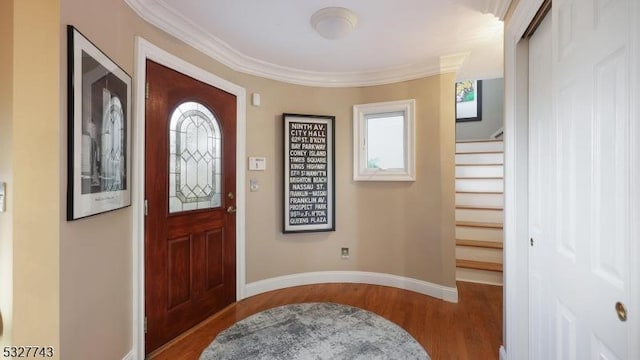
pixel 344 253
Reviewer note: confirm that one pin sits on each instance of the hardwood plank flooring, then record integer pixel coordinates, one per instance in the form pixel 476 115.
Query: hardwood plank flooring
pixel 470 329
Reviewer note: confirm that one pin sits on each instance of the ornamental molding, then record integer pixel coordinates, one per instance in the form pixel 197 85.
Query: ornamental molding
pixel 165 18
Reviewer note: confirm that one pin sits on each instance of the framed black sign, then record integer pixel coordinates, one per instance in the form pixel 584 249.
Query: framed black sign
pixel 309 173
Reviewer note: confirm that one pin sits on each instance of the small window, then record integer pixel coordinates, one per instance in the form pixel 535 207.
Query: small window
pixel 384 142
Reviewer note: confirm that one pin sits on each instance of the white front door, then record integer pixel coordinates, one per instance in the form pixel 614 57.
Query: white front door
pixel 580 170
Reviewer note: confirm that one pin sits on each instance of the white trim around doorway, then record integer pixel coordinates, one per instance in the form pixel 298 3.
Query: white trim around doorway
pixel 516 203
pixel 145 50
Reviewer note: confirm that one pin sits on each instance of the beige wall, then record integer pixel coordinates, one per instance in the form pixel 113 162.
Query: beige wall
pixel 6 171
pixel 36 165
pixel 390 227
pixel 95 252
pixel 447 180
pixel 398 228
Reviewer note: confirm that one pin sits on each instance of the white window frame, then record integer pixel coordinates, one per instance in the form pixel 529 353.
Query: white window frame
pixel 360 114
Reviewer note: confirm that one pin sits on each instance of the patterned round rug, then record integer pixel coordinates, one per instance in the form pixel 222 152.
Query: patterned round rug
pixel 314 331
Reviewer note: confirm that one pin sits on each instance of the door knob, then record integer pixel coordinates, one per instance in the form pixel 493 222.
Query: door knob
pixel 231 209
pixel 621 311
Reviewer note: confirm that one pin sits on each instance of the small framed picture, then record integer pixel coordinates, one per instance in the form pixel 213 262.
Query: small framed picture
pixel 309 173
pixel 99 136
pixel 469 100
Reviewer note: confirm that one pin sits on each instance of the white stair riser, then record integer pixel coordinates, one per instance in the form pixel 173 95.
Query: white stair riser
pixel 478 233
pixel 463 159
pixel 470 179
pixel 479 199
pixel 479 254
pixel 481 146
pixel 478 215
pixel 479 171
pixel 479 276
pixel 479 185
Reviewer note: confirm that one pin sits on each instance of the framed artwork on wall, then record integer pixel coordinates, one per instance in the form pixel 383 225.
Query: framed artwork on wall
pixel 99 137
pixel 309 173
pixel 469 100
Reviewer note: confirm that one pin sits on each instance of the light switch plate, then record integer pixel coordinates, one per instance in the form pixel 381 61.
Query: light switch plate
pixel 254 185
pixel 257 163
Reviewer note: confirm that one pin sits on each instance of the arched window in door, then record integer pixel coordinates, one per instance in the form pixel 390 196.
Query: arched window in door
pixel 195 161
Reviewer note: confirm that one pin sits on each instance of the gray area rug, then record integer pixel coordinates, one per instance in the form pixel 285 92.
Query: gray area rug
pixel 314 331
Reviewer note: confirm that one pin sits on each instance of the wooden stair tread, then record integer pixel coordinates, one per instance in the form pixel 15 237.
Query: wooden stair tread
pixel 478 152
pixel 478 141
pixel 480 177
pixel 480 244
pixel 479 165
pixel 471 163
pixel 479 207
pixel 479 265
pixel 480 192
pixel 479 224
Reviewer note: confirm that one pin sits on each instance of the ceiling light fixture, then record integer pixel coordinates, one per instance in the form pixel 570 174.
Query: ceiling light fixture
pixel 334 22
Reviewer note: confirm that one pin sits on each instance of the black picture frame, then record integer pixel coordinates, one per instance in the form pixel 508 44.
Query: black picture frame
pixel 468 110
pixel 99 136
pixel 309 173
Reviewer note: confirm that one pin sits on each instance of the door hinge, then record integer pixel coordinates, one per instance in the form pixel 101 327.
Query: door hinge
pixel 531 241
pixel 145 325
pixel 146 91
pixel 146 207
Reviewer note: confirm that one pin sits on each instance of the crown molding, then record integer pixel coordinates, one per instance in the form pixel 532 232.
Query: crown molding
pixel 497 7
pixel 452 63
pixel 159 14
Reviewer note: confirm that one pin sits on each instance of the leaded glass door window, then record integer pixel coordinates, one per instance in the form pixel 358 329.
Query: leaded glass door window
pixel 195 163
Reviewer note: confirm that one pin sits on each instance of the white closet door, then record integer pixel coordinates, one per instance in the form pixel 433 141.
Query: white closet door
pixel 580 171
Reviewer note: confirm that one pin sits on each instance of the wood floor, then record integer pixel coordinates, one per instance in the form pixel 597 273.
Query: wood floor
pixel 470 329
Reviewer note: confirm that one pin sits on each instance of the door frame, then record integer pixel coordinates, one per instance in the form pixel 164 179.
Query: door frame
pixel 144 50
pixel 516 190
pixel 516 228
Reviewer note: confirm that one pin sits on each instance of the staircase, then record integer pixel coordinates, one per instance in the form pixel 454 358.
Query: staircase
pixel 479 211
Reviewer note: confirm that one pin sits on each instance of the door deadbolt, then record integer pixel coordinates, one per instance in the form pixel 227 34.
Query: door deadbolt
pixel 621 311
pixel 230 195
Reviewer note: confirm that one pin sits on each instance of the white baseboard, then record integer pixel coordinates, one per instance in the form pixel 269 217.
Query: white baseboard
pixel 449 294
pixel 130 356
pixel 503 353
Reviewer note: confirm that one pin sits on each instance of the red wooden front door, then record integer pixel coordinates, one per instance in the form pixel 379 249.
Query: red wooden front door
pixel 190 177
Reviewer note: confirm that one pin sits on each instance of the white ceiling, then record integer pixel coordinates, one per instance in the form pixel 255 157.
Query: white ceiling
pixel 393 40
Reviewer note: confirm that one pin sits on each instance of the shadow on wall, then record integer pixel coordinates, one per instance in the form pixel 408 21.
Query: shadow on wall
pixel 492 114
